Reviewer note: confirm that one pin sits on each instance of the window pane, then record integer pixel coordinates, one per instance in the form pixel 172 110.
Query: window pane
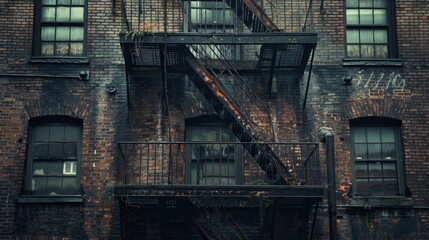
pixel 374 135
pixel 391 186
pixel 375 170
pixel 76 49
pixel 352 16
pixel 374 151
pixel 359 135
pixel 38 185
pixel 63 2
pixel 352 3
pixel 48 33
pixel 77 14
pixel 47 49
pixel 55 168
pixel 389 151
pixel 366 36
pixel 48 2
pixel 40 168
pixel 56 133
pixel 366 16
pixel 212 134
pixel 55 150
pixel 388 134
pixel 376 186
pixel 366 3
pixel 380 36
pixel 389 170
pixel 54 185
pixel 40 151
pixel 48 14
pixel 63 34
pixel 77 2
pixel 76 34
pixel 381 51
pixel 361 170
pixel 380 16
pixel 63 14
pixel 353 51
pixel 69 185
pixel 62 49
pixel 380 3
pixel 71 133
pixel 42 133
pixel 362 187
pixel 367 51
pixel 352 36
pixel 361 151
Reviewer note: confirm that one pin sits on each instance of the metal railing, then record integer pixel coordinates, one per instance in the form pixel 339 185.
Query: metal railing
pixel 172 15
pixel 210 163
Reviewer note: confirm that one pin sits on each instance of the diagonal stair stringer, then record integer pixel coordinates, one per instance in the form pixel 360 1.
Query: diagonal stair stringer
pixel 259 149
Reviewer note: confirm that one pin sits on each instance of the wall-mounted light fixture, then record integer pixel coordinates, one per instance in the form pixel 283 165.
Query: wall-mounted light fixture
pixel 84 75
pixel 110 88
pixel 347 80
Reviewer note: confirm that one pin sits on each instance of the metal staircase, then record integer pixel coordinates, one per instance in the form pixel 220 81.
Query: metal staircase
pixel 210 217
pixel 252 15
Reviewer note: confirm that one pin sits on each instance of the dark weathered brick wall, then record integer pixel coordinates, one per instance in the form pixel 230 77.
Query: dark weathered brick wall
pixel 385 91
pixel 103 115
pixel 396 92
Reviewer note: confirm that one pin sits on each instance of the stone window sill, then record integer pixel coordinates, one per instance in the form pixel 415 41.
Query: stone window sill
pixel 50 199
pixel 388 62
pixel 67 60
pixel 381 201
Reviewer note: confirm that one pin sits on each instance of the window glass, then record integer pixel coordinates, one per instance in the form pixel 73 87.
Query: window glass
pixel 212 163
pixel 52 145
pixel 77 14
pixel 48 14
pixel 380 16
pixel 375 160
pixel 63 14
pixel 367 28
pixel 61 27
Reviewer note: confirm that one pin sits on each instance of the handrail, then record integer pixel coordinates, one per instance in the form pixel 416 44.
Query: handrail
pixel 213 163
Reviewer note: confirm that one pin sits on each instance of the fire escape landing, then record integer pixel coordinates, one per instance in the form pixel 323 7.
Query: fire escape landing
pixel 154 174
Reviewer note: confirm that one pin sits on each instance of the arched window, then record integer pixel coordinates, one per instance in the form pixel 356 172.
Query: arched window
pixel 377 157
pixel 213 158
pixel 54 157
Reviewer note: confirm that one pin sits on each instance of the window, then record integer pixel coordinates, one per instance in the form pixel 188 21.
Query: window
pixel 60 29
pixel 213 158
pixel 53 157
pixel 212 17
pixel 377 157
pixel 370 29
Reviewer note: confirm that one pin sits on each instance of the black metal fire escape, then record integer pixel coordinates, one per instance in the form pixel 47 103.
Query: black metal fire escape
pixel 293 54
pixel 184 53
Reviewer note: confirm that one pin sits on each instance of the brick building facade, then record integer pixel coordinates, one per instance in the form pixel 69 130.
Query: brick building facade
pixel 111 113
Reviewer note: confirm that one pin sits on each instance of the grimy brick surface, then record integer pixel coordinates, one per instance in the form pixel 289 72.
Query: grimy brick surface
pixel 399 92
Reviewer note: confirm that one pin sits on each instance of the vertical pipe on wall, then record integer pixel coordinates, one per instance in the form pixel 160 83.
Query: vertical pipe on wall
pixel 332 206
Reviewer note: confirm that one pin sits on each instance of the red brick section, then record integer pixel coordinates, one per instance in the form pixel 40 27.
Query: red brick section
pixel 385 91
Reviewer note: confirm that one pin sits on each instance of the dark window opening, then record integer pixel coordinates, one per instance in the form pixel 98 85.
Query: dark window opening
pixel 213 158
pixel 53 159
pixel 377 157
